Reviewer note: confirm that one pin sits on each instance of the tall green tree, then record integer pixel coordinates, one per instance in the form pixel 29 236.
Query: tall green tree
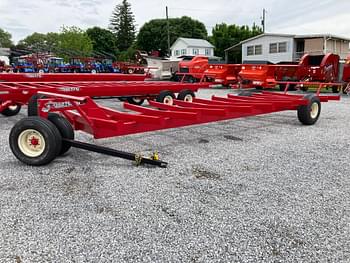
pixel 73 41
pixel 104 42
pixel 153 34
pixel 225 36
pixel 35 42
pixel 122 24
pixel 5 39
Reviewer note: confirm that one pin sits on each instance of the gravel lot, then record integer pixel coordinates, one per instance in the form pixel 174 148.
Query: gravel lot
pixel 258 189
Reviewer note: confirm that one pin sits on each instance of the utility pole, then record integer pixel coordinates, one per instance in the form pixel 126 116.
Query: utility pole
pixel 168 28
pixel 263 22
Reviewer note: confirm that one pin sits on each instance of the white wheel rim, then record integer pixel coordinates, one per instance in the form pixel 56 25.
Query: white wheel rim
pixel 93 71
pixel 13 107
pixel 168 100
pixel 188 98
pixel 137 100
pixel 31 143
pixel 314 110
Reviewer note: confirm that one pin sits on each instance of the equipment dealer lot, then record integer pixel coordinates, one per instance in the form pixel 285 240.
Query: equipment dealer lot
pixel 263 188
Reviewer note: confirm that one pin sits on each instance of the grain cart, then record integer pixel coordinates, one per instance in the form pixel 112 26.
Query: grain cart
pixel 313 68
pixel 38 140
pixel 224 74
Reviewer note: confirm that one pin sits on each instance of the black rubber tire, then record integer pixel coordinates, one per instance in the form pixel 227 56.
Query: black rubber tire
pixel 335 89
pixel 130 71
pixel 184 93
pixel 11 112
pixel 65 128
pixel 304 111
pixel 135 101
pixel 163 94
pixel 33 104
pixel 51 135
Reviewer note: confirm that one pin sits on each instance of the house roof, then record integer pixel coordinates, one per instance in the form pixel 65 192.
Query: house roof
pixel 193 42
pixel 287 35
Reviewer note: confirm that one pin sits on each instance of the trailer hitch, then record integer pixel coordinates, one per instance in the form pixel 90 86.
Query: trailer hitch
pixel 116 153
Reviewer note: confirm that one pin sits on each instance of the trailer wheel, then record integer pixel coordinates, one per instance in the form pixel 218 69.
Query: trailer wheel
pixel 93 71
pixel 135 100
pixel 12 110
pixel 65 128
pixel 166 97
pixel 35 141
pixel 33 104
pixel 130 71
pixel 186 95
pixel 309 114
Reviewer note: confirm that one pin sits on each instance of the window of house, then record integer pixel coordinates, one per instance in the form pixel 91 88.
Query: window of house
pixel 273 48
pixel 207 52
pixel 282 47
pixel 195 51
pixel 183 52
pixel 177 52
pixel 250 50
pixel 258 49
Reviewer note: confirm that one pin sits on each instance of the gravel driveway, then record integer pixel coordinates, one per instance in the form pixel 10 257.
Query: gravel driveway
pixel 258 189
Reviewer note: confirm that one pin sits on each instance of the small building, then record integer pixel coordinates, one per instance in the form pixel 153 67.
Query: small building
pixel 191 47
pixel 269 47
pixel 4 55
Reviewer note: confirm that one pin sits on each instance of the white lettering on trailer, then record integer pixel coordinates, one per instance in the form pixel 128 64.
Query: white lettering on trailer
pixel 56 105
pixel 4 92
pixel 69 89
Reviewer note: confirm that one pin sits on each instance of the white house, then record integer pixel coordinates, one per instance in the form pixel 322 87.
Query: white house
pixel 4 55
pixel 287 48
pixel 191 47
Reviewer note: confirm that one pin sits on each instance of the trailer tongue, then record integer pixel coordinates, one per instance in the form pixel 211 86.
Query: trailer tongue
pixel 38 140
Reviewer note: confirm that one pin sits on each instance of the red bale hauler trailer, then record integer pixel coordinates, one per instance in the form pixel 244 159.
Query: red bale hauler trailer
pixel 313 68
pixel 38 140
pixel 70 77
pixel 15 94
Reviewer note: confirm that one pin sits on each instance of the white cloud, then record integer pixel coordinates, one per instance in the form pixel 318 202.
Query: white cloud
pixel 21 17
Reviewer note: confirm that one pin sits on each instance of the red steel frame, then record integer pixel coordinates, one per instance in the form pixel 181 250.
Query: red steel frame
pixel 12 93
pixel 69 77
pixel 102 122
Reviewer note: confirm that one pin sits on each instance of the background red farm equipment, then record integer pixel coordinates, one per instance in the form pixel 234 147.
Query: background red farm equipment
pixel 225 74
pixel 129 68
pixel 38 140
pixel 312 68
pixel 15 94
pixel 195 67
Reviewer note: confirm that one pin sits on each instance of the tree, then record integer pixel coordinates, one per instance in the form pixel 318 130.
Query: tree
pixel 225 36
pixel 5 39
pixel 153 34
pixel 35 42
pixel 122 24
pixel 73 41
pixel 104 42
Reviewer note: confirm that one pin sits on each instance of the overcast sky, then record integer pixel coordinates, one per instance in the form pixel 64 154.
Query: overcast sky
pixel 23 17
